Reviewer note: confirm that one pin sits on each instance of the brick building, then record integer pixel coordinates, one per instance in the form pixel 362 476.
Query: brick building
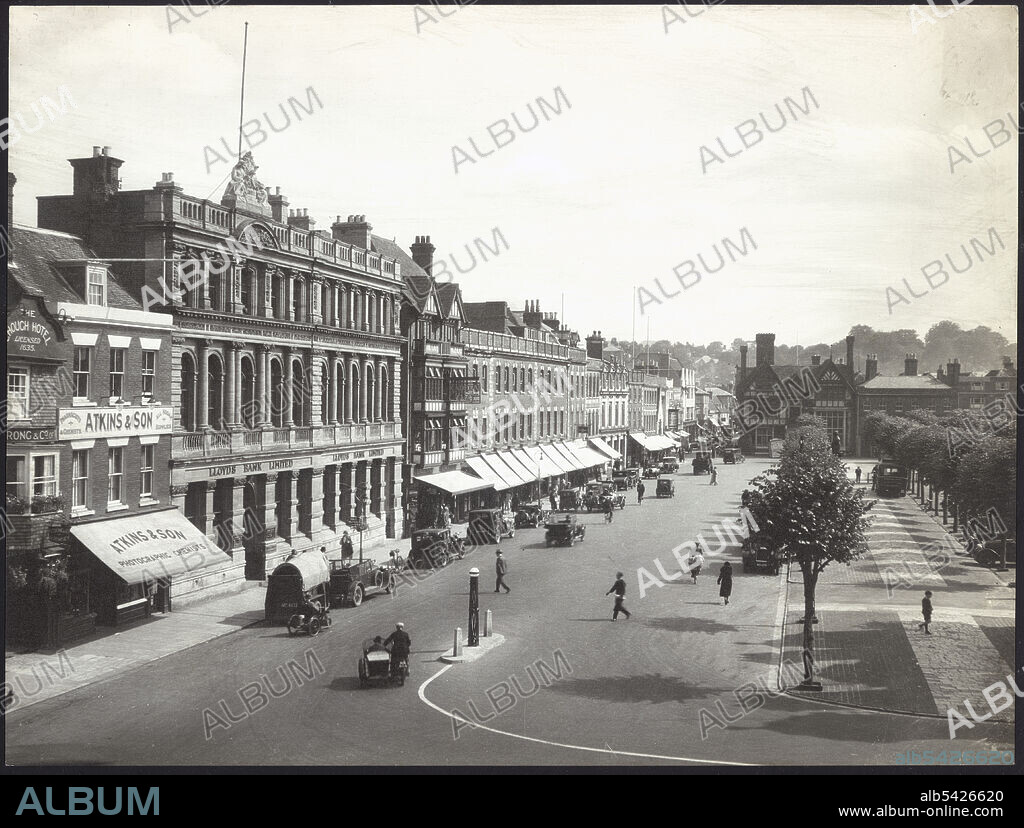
pixel 977 390
pixel 286 358
pixel 612 380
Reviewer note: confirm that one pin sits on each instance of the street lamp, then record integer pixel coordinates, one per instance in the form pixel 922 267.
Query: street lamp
pixel 474 608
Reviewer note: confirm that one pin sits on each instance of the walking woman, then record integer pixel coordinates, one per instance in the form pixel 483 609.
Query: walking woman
pixel 695 562
pixel 725 581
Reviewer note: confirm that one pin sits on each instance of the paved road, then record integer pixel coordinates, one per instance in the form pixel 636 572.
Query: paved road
pixel 628 692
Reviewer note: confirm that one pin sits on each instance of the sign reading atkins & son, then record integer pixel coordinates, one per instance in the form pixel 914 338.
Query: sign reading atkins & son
pixel 89 423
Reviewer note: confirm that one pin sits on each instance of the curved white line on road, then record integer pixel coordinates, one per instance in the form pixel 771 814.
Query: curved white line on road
pixel 607 751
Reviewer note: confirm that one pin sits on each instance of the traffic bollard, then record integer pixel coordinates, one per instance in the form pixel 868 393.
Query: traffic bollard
pixel 457 649
pixel 488 624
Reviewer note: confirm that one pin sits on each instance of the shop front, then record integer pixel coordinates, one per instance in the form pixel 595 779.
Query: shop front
pixel 459 491
pixel 132 562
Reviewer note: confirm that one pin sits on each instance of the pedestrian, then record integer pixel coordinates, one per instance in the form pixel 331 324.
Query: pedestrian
pixel 609 510
pixel 695 562
pixel 725 581
pixel 500 568
pixel 926 611
pixel 714 476
pixel 346 545
pixel 619 588
pixel 856 474
pixel 640 492
pixel 551 500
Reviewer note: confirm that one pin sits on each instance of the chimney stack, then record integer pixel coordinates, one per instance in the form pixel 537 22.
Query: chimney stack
pixel 422 252
pixel 953 373
pixel 355 231
pixel 595 345
pixel 849 353
pixel 300 220
pixel 910 365
pixel 532 317
pixel 765 345
pixel 96 178
pixel 871 367
pixel 1007 363
pixel 279 206
pixel 815 359
pixel 743 362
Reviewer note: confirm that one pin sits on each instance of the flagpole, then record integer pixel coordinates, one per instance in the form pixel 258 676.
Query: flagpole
pixel 241 103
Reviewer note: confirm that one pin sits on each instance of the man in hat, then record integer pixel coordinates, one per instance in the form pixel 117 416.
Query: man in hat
pixel 619 588
pixel 500 568
pixel 400 642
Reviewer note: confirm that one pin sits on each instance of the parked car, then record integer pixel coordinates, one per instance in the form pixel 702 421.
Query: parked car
pixel 652 472
pixel 702 462
pixel 731 454
pixel 569 500
pixel 665 487
pixel 757 557
pixel 889 479
pixel 353 581
pixel 490 526
pixel 564 532
pixel 434 548
pixel 670 465
pixel 621 480
pixel 531 515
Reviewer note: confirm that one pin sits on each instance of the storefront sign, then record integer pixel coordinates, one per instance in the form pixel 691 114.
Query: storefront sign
pixel 122 421
pixel 30 334
pixel 30 435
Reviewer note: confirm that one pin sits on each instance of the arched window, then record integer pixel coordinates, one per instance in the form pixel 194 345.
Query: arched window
pixel 187 413
pixel 339 379
pixel 370 386
pixel 355 389
pixel 506 378
pixel 386 403
pixel 248 393
pixel 529 379
pixel 325 394
pixel 298 393
pixel 277 398
pixel 497 380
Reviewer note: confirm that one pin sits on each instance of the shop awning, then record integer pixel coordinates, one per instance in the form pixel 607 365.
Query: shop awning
pixel 456 482
pixel 604 448
pixel 477 464
pixel 434 373
pixel 639 437
pixel 659 442
pixel 577 464
pixel 521 475
pixel 587 455
pixel 556 458
pixel 520 461
pixel 536 454
pixel 500 468
pixel 683 433
pixel 149 547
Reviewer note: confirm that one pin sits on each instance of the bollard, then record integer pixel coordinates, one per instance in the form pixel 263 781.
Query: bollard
pixel 473 638
pixel 457 649
pixel 488 624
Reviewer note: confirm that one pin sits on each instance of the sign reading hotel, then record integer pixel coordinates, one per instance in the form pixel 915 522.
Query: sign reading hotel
pixel 94 423
pixel 30 334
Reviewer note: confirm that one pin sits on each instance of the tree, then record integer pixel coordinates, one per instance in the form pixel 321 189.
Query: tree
pixel 810 514
pixel 987 479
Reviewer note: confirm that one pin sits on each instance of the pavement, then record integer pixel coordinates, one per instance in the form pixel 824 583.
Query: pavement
pixel 670 686
pixel 869 649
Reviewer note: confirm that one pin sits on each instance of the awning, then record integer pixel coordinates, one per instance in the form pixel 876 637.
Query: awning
pixel 639 437
pixel 149 547
pixel 604 448
pixel 659 442
pixel 683 433
pixel 535 454
pixel 521 475
pixel 556 458
pixel 484 471
pixel 587 455
pixel 455 482
pixel 526 467
pixel 500 468
pixel 577 464
pixel 434 373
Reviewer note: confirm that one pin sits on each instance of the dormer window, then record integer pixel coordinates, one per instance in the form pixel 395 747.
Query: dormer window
pixel 96 291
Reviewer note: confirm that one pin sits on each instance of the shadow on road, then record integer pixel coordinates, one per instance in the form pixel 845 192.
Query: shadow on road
pixel 648 688
pixel 683 624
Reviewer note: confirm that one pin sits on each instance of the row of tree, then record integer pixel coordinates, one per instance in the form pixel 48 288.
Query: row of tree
pixel 960 457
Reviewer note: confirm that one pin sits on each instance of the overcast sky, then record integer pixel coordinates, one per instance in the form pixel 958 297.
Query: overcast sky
pixel 611 194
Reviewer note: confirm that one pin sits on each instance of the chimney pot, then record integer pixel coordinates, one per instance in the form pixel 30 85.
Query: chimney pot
pixel 277 191
pixel 95 152
pixel 106 150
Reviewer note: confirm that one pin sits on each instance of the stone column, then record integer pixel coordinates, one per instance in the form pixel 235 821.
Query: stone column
pixel 262 409
pixel 208 506
pixel 332 413
pixel 379 489
pixel 375 367
pixel 283 294
pixel 366 485
pixel 288 503
pixel 395 504
pixel 233 281
pixel 178 495
pixel 270 505
pixel 292 286
pixel 315 294
pixel 360 299
pixel 206 298
pixel 371 310
pixel 203 379
pixel 316 396
pixel 238 527
pixel 330 505
pixel 348 490
pixel 363 395
pixel 316 506
pixel 230 383
pixel 289 388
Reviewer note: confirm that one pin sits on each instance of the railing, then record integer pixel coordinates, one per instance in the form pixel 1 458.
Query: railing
pixel 213 443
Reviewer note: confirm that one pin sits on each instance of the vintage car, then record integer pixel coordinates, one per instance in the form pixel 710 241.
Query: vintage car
pixel 307 573
pixel 634 474
pixel 702 462
pixel 889 479
pixel 651 472
pixel 434 548
pixel 995 552
pixel 569 500
pixel 621 480
pixel 351 581
pixel 757 557
pixel 490 526
pixel 731 454
pixel 564 532
pixel 531 515
pixel 597 491
pixel 665 488
pixel 670 465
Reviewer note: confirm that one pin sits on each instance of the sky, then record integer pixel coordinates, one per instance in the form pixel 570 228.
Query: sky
pixel 610 192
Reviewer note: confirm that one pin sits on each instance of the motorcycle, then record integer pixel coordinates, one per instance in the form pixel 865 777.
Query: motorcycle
pixel 308 623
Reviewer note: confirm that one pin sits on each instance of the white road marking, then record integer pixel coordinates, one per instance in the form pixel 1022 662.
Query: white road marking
pixel 606 751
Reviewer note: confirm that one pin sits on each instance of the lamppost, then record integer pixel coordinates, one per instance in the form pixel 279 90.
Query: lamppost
pixel 474 608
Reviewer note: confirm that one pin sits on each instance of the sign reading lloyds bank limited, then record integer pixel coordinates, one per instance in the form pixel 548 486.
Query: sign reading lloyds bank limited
pixel 122 421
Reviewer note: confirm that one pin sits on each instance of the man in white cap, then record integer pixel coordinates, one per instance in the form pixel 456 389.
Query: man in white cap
pixel 399 642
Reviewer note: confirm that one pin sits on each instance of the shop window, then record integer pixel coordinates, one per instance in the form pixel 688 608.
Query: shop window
pixel 17 482
pixel 17 393
pixel 146 485
pixel 80 371
pixel 80 479
pixel 117 372
pixel 115 476
pixel 148 373
pixel 44 475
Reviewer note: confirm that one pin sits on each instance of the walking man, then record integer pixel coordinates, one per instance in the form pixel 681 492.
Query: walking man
pixel 609 510
pixel 714 476
pixel 551 500
pixel 639 495
pixel 500 568
pixel 725 581
pixel 856 474
pixel 619 588
pixel 926 611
